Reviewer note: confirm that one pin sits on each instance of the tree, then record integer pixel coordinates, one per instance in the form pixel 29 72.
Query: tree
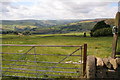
pixel 103 32
pixel 27 28
pixel 26 33
pixel 100 25
pixel 101 29
pixel 15 32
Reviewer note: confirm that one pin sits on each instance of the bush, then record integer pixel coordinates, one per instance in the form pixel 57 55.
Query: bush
pixel 103 32
pixel 100 25
pixel 101 29
pixel 26 33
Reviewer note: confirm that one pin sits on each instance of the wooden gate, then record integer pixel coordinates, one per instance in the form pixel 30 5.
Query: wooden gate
pixel 43 65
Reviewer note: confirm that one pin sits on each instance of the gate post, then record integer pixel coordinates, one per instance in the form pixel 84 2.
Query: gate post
pixel 115 34
pixel 84 59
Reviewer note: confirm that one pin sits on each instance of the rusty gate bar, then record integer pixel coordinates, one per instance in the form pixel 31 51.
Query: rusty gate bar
pixel 40 70
pixel 32 73
pixel 41 54
pixel 39 62
pixel 84 59
pixel 41 45
pixel 43 66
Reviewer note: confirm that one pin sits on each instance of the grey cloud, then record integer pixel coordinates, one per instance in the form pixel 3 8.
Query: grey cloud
pixel 4 10
pixel 5 6
pixel 6 3
pixel 85 7
pixel 54 9
pixel 9 4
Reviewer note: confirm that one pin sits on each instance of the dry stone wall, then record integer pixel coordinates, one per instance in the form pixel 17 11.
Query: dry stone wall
pixel 102 67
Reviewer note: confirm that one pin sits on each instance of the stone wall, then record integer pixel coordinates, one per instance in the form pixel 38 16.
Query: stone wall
pixel 102 67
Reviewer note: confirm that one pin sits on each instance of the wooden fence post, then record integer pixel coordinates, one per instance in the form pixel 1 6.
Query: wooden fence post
pixel 84 59
pixel 115 36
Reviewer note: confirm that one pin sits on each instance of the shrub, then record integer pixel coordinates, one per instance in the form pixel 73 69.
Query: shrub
pixel 26 33
pixel 101 29
pixel 103 32
pixel 99 25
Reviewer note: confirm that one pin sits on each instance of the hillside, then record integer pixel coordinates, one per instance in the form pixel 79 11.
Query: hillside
pixel 110 21
pixel 11 24
pixel 51 26
pixel 43 23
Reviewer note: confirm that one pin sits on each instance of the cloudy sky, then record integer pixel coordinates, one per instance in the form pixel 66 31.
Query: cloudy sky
pixel 57 9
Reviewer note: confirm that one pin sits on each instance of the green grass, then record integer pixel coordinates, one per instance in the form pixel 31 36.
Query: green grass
pixel 98 46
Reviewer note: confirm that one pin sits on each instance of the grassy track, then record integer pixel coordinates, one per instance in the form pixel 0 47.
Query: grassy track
pixel 98 46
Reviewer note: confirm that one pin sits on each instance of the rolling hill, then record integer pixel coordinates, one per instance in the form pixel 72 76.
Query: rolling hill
pixel 51 26
pixel 44 23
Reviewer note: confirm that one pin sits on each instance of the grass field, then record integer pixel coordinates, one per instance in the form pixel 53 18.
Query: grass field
pixel 98 46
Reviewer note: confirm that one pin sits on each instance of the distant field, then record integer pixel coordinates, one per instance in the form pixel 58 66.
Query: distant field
pixel 12 27
pixel 98 46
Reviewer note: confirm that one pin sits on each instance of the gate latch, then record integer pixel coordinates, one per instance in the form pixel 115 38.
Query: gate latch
pixel 114 30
